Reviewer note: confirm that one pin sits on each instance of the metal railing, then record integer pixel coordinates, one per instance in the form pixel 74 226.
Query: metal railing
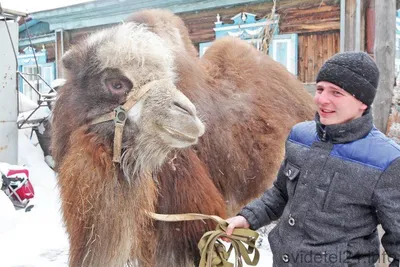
pixel 45 99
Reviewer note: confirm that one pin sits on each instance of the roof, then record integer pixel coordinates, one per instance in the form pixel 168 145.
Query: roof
pixel 35 28
pixel 29 24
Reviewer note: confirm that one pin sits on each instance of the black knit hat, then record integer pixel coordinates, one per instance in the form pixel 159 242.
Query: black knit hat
pixel 355 72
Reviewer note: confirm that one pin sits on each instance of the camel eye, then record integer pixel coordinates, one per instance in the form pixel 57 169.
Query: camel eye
pixel 118 85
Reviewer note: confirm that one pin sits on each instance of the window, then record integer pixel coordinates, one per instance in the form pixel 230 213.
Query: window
pixel 283 49
pixel 46 71
pixel 29 73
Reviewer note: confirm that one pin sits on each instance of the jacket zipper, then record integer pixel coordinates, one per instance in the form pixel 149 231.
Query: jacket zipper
pixel 323 139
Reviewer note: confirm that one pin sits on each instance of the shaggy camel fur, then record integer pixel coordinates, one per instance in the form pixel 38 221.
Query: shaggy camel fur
pixel 247 102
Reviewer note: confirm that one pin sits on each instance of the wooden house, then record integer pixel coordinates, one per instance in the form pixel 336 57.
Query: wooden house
pixel 311 23
pixel 308 31
pixel 28 56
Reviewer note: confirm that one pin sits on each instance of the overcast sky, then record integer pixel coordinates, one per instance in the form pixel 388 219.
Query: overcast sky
pixel 30 6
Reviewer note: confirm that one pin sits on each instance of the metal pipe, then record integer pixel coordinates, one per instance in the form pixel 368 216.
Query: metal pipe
pixel 342 24
pixel 358 26
pixel 56 52
pixel 62 41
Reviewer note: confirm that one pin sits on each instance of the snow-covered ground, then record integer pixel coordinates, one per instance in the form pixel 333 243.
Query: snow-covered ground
pixel 37 238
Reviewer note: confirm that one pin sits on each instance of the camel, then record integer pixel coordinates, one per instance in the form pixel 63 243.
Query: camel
pixel 206 136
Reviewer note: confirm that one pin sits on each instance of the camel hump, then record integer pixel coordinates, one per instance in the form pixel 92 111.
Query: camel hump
pixel 236 57
pixel 167 25
pixel 233 48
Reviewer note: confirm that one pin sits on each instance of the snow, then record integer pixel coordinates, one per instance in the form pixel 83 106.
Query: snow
pixel 25 103
pixel 37 238
pixel 7 213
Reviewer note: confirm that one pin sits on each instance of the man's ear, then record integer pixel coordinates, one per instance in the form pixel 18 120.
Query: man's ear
pixel 363 107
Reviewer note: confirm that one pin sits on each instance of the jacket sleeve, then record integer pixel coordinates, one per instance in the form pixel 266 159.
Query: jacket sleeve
pixel 386 200
pixel 269 206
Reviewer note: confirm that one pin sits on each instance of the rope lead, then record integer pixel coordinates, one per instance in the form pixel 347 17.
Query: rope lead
pixel 212 251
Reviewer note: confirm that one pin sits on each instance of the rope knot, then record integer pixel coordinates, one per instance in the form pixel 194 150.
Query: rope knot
pixel 213 252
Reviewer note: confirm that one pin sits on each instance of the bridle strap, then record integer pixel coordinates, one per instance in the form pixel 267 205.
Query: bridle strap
pixel 119 115
pixel 106 117
pixel 119 129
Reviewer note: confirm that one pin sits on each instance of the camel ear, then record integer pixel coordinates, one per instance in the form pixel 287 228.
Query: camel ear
pixel 69 60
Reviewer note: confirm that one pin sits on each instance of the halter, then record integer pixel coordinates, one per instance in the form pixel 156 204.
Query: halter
pixel 119 116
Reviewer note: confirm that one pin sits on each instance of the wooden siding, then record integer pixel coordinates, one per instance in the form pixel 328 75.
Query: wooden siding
pixel 50 47
pixel 312 17
pixel 295 17
pixel 314 50
pixel 76 35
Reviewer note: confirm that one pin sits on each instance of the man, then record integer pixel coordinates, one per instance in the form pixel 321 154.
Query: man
pixel 339 180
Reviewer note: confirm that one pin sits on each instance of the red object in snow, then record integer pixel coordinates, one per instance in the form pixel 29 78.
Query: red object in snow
pixel 16 184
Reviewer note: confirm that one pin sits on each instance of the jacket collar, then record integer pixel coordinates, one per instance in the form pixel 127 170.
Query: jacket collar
pixel 345 132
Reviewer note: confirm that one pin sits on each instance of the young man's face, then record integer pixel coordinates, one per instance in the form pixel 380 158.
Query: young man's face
pixel 335 105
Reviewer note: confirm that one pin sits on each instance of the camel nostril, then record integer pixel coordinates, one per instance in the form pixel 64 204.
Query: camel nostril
pixel 184 108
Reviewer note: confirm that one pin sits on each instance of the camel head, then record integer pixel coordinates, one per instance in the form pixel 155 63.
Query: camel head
pixel 113 65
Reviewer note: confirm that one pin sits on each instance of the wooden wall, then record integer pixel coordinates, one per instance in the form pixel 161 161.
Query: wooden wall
pixel 314 49
pixel 316 22
pixel 296 16
pixel 314 16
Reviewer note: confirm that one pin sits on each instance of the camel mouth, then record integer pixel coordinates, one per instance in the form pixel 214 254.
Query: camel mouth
pixel 179 135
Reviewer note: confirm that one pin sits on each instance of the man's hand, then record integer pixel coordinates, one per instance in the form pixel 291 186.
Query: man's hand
pixel 235 222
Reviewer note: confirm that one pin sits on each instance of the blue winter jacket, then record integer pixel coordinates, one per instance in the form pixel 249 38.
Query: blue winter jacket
pixel 336 184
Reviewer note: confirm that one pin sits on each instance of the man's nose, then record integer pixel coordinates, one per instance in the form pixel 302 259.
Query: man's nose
pixel 322 98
